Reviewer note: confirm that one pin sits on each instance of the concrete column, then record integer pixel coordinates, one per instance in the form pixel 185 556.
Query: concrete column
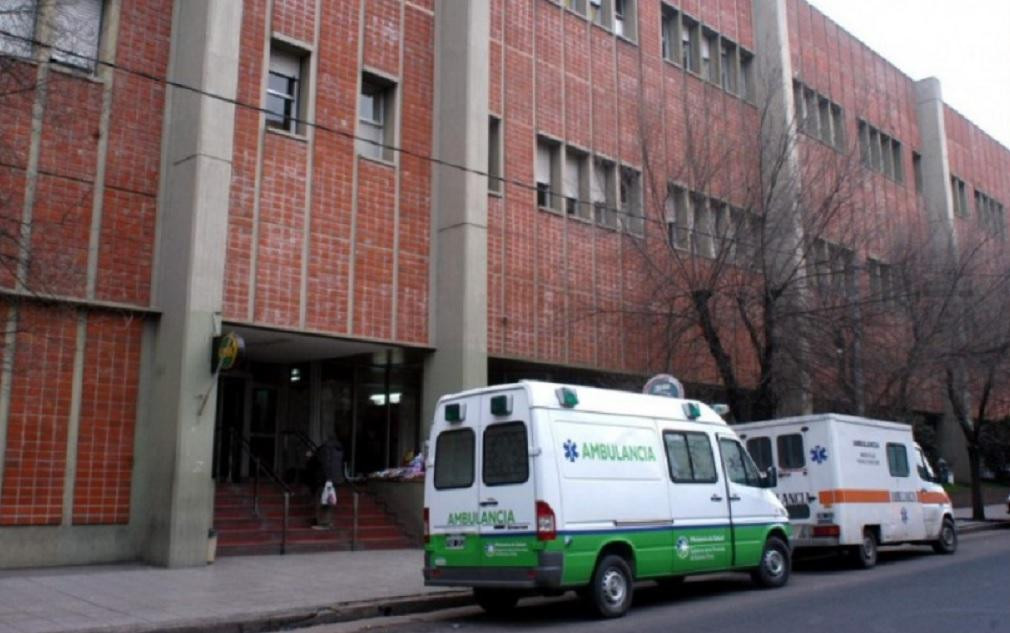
pixel 193 217
pixel 936 190
pixel 459 203
pixel 781 188
pixel 938 197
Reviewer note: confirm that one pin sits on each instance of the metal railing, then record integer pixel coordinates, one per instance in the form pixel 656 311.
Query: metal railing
pixel 258 466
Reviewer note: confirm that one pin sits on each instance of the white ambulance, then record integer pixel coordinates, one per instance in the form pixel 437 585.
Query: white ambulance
pixel 541 488
pixel 853 483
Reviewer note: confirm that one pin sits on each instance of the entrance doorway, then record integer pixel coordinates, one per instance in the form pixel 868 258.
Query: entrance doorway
pixel 280 412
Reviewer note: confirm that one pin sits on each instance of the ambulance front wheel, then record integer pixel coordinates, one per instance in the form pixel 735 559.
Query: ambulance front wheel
pixel 612 587
pixel 947 543
pixel 495 601
pixel 773 571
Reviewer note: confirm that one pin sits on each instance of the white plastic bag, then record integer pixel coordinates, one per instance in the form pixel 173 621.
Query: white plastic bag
pixel 329 496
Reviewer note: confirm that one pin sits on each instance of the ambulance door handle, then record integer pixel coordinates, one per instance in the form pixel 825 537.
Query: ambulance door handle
pixel 734 498
pixel 716 498
pixel 489 502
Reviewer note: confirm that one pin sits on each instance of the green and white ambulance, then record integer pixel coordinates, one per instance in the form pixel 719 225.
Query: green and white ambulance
pixel 538 488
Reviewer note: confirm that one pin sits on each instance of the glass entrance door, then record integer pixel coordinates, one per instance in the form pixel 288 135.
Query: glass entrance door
pixel 263 425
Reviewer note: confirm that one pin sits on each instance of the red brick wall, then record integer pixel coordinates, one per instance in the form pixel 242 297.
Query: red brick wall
pixel 365 265
pixel 564 291
pixel 108 411
pixel 62 222
pixel 41 390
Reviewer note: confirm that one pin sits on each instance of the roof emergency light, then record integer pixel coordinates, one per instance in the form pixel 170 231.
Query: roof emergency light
pixel 567 397
pixel 455 412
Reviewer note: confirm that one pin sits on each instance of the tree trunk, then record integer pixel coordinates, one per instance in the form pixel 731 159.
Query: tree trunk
pixel 975 463
pixel 723 361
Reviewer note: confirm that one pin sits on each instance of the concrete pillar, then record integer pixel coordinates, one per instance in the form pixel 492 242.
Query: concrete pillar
pixel 459 203
pixel 193 217
pixel 942 237
pixel 781 186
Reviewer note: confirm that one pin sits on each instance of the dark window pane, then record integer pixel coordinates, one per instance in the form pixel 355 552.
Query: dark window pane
pixel 701 457
pixel 897 460
pixel 506 454
pixel 676 454
pixel 454 459
pixel 760 448
pixel 791 451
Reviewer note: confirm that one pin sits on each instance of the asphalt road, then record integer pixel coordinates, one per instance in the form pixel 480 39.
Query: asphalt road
pixel 911 590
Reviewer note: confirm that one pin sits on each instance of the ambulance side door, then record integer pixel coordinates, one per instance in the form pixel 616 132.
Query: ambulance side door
pixel 698 501
pixel 750 510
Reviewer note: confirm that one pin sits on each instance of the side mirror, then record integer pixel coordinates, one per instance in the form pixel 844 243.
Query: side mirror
pixel 771 477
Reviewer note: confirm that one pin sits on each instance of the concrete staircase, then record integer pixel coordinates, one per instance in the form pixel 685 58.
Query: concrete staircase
pixel 241 532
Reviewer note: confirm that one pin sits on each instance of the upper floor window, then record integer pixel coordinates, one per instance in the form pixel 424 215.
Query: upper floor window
pixel 576 183
pixel 579 6
pixel 601 192
pixel 72 27
pixel 494 148
pixel 631 201
pixel 880 152
pixel 625 19
pixel 376 114
pixel 285 104
pixel 959 192
pixel 548 174
pixel 599 12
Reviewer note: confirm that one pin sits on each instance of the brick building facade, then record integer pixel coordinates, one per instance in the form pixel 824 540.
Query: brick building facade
pixel 312 174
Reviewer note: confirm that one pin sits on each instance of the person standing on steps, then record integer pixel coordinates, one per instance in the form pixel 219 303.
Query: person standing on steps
pixel 329 459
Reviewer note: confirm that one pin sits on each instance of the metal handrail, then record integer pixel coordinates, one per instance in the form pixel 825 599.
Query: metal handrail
pixel 258 466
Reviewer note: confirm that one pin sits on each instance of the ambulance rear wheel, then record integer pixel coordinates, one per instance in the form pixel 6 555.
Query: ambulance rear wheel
pixel 495 601
pixel 866 552
pixel 947 543
pixel 773 571
pixel 612 587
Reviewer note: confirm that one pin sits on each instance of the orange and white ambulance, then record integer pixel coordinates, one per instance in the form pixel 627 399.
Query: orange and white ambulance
pixel 852 483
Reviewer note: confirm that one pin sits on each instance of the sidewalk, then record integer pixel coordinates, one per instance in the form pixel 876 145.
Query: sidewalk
pixel 242 593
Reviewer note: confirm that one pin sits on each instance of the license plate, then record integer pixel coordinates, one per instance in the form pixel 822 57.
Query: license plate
pixel 455 541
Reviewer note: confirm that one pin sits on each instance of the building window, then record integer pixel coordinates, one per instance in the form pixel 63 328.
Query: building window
pixel 960 197
pixel 625 19
pixel 917 171
pixel 578 6
pixel 701 244
pixel 690 36
pixel 882 281
pixel 727 66
pixel 678 218
pixel 670 28
pixel 376 113
pixel 709 47
pixel 991 214
pixel 746 75
pixel 285 102
pixel 72 27
pixel 631 201
pixel 494 162
pixel 837 127
pixel 602 193
pixel 599 12
pixel 576 183
pixel 548 174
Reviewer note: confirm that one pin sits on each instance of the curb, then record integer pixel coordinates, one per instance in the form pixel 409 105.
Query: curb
pixel 967 526
pixel 301 617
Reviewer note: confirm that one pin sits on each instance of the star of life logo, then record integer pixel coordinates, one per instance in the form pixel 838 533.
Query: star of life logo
pixel 571 451
pixel 819 454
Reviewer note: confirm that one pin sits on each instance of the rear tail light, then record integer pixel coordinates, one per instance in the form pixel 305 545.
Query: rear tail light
pixel 826 530
pixel 427 527
pixel 547 529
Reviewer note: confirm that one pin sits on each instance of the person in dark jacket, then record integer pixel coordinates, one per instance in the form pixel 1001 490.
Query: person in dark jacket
pixel 329 458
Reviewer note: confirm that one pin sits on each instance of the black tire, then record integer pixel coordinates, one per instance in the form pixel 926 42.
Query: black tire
pixel 947 542
pixel 865 554
pixel 612 587
pixel 775 566
pixel 495 601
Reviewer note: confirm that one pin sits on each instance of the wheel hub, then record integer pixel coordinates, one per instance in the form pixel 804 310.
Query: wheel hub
pixel 614 587
pixel 775 562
